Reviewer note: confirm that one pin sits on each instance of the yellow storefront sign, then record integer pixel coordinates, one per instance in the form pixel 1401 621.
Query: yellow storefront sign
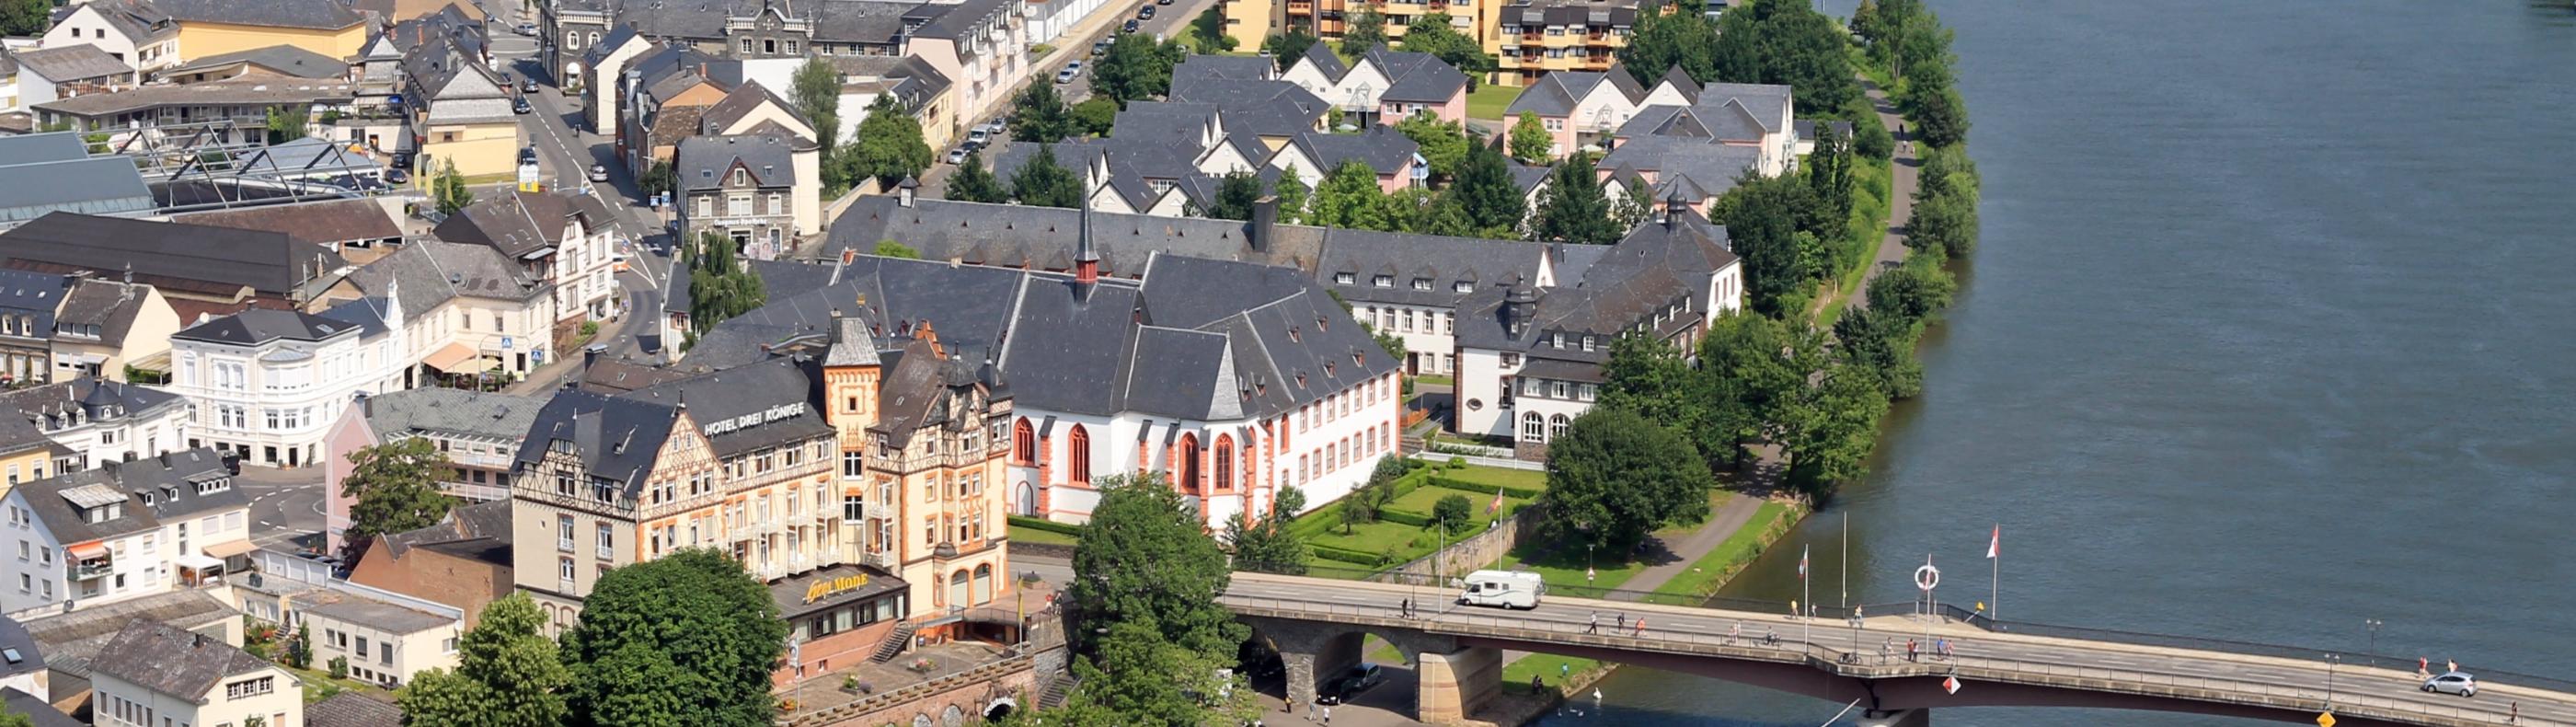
pixel 826 589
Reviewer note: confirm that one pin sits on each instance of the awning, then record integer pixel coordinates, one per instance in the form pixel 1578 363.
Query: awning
pixel 92 359
pixel 86 551
pixel 230 549
pixel 451 358
pixel 199 563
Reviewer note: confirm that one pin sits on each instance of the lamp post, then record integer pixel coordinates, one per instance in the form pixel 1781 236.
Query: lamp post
pixel 2331 661
pixel 2373 624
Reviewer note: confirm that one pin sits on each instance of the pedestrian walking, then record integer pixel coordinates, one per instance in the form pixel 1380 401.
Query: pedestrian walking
pixel 1911 651
pixel 1310 711
pixel 2450 665
pixel 1537 686
pixel 1594 624
pixel 1328 715
pixel 1641 627
pixel 1622 622
pixel 2423 667
pixel 2516 713
pixel 1563 671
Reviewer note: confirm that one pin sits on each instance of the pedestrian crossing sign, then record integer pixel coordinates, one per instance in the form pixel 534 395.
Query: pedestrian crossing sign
pixel 1951 685
pixel 2325 719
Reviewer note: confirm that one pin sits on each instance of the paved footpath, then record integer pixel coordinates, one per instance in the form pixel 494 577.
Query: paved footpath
pixel 1728 517
pixel 1900 205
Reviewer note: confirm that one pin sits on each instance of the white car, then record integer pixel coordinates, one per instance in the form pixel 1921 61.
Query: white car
pixel 598 173
pixel 2458 682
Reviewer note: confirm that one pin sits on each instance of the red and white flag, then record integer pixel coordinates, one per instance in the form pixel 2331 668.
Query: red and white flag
pixel 1995 543
pixel 1495 506
pixel 1802 563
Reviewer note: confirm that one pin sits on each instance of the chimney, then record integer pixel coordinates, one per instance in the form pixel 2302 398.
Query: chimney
pixel 1265 215
pixel 931 337
pixel 903 191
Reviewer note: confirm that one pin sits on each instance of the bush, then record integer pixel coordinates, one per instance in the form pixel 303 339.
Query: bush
pixel 1022 521
pixel 339 667
pixel 1523 493
pixel 1345 555
pixel 1455 511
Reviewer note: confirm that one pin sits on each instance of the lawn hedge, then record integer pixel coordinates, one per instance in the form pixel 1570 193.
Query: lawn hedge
pixel 1522 493
pixel 1023 521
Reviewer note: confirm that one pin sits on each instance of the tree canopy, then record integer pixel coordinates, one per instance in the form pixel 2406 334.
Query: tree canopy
pixel 816 90
pixel 25 18
pixel 1436 34
pixel 1365 30
pixel 1614 477
pixel 888 146
pixel 395 488
pixel 1038 115
pixel 1144 561
pixel 1486 191
pixel 1042 182
pixel 720 285
pixel 1135 67
pixel 1267 546
pixel 1349 197
pixel 1572 208
pixel 1236 193
pixel 1443 143
pixel 449 189
pixel 686 639
pixel 974 183
pixel 1094 116
pixel 1530 140
pixel 1287 46
pixel 508 673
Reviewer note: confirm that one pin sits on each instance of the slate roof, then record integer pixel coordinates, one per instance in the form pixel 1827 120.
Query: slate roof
pixel 839 21
pixel 740 102
pixel 46 147
pixel 309 14
pixel 1557 92
pixel 1038 237
pixel 1653 266
pixel 64 64
pixel 47 404
pixel 1322 57
pixel 71 640
pixel 954 20
pixel 1266 108
pixel 170 477
pixel 40 713
pixel 109 305
pixel 746 390
pixel 480 531
pixel 247 91
pixel 1249 68
pixel 1382 148
pixel 452 411
pixel 29 658
pixel 168 255
pixel 107 185
pixel 705 161
pixel 616 439
pixel 1417 76
pixel 1613 13
pixel 286 59
pixel 1444 262
pixel 324 222
pixel 34 295
pixel 1712 168
pixel 173 661
pixel 261 325
pixel 138 21
pixel 432 272
pixel 352 709
pixel 523 224
pixel 348 607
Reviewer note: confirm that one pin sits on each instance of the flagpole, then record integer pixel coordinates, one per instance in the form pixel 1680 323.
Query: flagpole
pixel 1846 567
pixel 1805 597
pixel 1994 581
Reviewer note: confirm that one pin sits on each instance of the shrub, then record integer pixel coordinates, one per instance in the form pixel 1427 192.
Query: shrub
pixel 1455 512
pixel 339 667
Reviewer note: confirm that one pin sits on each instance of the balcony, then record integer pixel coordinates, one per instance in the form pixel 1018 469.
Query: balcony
pixel 91 570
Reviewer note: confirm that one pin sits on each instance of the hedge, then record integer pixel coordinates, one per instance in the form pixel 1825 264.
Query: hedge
pixel 1322 520
pixel 1404 517
pixel 1346 555
pixel 1522 493
pixel 1023 521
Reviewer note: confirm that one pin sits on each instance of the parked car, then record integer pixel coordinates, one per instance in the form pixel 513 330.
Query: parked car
pixel 2457 682
pixel 528 84
pixel 1130 27
pixel 396 175
pixel 1162 2
pixel 528 155
pixel 598 173
pixel 526 28
pixel 995 127
pixel 957 155
pixel 979 137
pixel 1071 71
pixel 1350 684
pixel 1099 48
pixel 519 105
pixel 1145 13
pixel 402 160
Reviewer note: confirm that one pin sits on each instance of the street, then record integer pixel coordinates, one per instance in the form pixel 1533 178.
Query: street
pixel 285 506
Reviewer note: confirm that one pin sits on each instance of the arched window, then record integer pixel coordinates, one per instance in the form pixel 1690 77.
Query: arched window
pixel 1077 459
pixel 1028 500
pixel 1188 467
pixel 571 40
pixel 1556 427
pixel 1224 463
pixel 1024 443
pixel 1533 427
pixel 983 583
pixel 594 37
pixel 957 588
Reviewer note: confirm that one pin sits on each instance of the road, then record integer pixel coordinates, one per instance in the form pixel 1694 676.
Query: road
pixel 2348 686
pixel 1104 25
pixel 285 506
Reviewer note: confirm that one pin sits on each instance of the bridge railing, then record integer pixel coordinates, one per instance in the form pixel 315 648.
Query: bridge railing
pixel 1864 660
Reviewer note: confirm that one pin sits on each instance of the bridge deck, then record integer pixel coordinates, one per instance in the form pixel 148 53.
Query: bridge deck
pixel 1837 646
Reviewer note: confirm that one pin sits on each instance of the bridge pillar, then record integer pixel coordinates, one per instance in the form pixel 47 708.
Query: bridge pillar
pixel 1896 718
pixel 1454 685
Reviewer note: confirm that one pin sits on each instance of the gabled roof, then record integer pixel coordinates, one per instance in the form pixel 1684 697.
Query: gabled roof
pixel 173 661
pixel 432 272
pixel 260 325
pixel 452 411
pixel 168 255
pixel 523 225
pixel 35 295
pixel 53 404
pixel 1655 265
pixel 1417 76
pixel 1043 238
pixel 1321 57
pixel 52 146
pixel 352 709
pixel 703 162
pixel 1381 148
pixel 1265 108
pixel 739 407
pixel 283 59
pixel 65 64
pixel 1245 68
pixel 1681 82
pixel 137 20
pixel 71 639
pixel 1763 104
pixel 106 185
pixel 305 14
pixel 171 479
pixel 324 222
pixel 614 438
pixel 109 305
pixel 1714 166
pixel 741 102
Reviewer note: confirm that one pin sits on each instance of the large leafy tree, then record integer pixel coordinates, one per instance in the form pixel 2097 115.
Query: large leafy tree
pixel 974 183
pixel 1830 427
pixel 449 189
pixel 24 18
pixel 1042 182
pixel 508 673
pixel 1366 30
pixel 1349 197
pixel 1530 140
pixel 1236 192
pixel 1038 115
pixel 816 90
pixel 1786 42
pixel 286 123
pixel 888 146
pixel 1267 546
pixel 1443 143
pixel 1136 676
pixel 1945 222
pixel 1681 37
pixel 1294 196
pixel 1615 477
pixel 1485 190
pixel 686 639
pixel 1144 561
pixel 1761 218
pixel 1572 208
pixel 1094 116
pixel 1135 67
pixel 1829 171
pixel 1433 33
pixel 720 285
pixel 1287 46
pixel 395 486
pixel 1751 376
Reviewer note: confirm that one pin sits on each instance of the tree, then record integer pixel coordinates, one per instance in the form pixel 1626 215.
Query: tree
pixel 1135 67
pixel 1787 42
pixel 1486 191
pixel 1941 119
pixel 25 18
pixel 720 285
pixel 1870 138
pixel 1044 183
pixel 1443 143
pixel 450 189
pixel 1293 196
pixel 1761 225
pixel 1267 546
pixel 1750 374
pixel 1137 676
pixel 12 718
pixel 1829 170
pixel 1094 116
pixel 1388 340
pixel 288 123
pixel 688 638
pixel 890 248
pixel 1635 207
pixel 1531 142
pixel 974 183
pixel 1038 115
pixel 1915 292
pixel 1880 345
pixel 888 144
pixel 508 673
pixel 1572 208
pixel 1680 38
pixel 816 90
pixel 1144 561
pixel 1831 427
pixel 299 652
pixel 395 488
pixel 1366 30
pixel 1453 513
pixel 1943 222
pixel 1614 477
pixel 1864 20
pixel 1433 33
pixel 1207 31
pixel 1236 193
pixel 339 667
pixel 1349 197
pixel 659 178
pixel 1286 47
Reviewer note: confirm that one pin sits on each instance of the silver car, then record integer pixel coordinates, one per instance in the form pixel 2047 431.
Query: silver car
pixel 2457 682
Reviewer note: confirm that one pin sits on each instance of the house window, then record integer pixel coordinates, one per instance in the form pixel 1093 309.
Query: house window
pixel 1078 459
pixel 706 207
pixel 1463 287
pixel 1556 426
pixel 1342 278
pixel 1421 283
pixel 1024 443
pixel 853 508
pixel 1383 281
pixel 607 548
pixel 1533 428
pixel 746 46
pixel 564 570
pixel 738 205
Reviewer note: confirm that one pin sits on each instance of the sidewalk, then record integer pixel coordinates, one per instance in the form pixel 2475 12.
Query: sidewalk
pixel 567 366
pixel 1902 172
pixel 1722 524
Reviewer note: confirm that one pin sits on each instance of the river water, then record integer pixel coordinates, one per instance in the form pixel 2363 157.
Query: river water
pixel 2271 331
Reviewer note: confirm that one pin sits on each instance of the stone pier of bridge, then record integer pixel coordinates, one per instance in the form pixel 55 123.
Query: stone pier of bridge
pixel 1895 718
pixel 1455 680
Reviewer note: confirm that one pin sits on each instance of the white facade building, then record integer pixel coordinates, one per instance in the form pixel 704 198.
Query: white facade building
pixel 123 531
pixel 268 383
pixel 156 674
pixel 103 421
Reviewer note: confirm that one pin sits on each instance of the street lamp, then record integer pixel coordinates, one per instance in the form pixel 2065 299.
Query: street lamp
pixel 2373 624
pixel 2331 661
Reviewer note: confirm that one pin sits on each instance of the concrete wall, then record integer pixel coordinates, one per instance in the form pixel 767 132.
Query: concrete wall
pixel 970 692
pixel 1476 551
pixel 477 149
pixel 205 40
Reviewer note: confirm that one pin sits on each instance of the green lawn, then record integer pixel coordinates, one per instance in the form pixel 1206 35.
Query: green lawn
pixel 1489 100
pixel 1435 379
pixel 1422 499
pixel 1501 476
pixel 1041 537
pixel 1712 569
pixel 1550 668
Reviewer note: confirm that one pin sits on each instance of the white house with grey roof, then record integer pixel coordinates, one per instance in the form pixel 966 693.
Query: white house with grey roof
pixel 1580 107
pixel 122 531
pixel 154 671
pixel 138 35
pixel 267 384
pixel 102 421
pixel 467 309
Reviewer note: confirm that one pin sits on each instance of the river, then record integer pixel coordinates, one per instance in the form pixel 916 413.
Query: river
pixel 2268 334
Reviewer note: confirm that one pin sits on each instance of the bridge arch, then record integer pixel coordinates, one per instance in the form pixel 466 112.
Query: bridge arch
pixel 1312 654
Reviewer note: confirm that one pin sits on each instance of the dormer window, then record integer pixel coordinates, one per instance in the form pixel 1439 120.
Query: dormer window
pixel 1421 283
pixel 739 176
pixel 1383 281
pixel 1464 287
pixel 1342 278
pixel 1587 341
pixel 149 500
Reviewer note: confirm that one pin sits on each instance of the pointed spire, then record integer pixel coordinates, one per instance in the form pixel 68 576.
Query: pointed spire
pixel 1086 260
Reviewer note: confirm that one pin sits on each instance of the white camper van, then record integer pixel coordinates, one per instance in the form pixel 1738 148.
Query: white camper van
pixel 1503 588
